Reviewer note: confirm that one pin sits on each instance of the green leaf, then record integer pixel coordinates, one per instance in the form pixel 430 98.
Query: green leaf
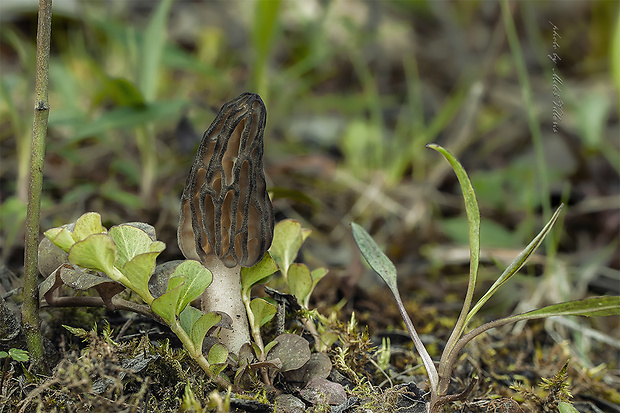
pixel 588 307
pixel 263 311
pixel 188 317
pixel 153 43
pixel 287 239
pixel 166 305
pixel 197 324
pixel 564 407
pixel 217 354
pixel 18 354
pixel 87 224
pixel 125 117
pixel 202 326
pixel 382 265
pixel 78 332
pixel 263 31
pixel 130 241
pixel 217 358
pixel 197 279
pixel 515 266
pixel 258 273
pixel 377 260
pixel 138 271
pixel 473 216
pixel 3 354
pixel 300 281
pixel 97 252
pixel 271 345
pixel 317 274
pixel 614 58
pixel 61 237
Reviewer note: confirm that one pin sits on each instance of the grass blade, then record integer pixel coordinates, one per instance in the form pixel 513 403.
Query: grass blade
pixel 516 265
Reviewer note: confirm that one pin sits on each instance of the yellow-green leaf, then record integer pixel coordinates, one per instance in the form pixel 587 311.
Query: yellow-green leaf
pixel 96 251
pixel 87 224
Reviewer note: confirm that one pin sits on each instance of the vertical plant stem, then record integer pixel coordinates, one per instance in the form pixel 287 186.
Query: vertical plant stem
pixel 30 308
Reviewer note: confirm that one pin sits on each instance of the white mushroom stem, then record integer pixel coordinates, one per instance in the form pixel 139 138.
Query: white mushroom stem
pixel 224 294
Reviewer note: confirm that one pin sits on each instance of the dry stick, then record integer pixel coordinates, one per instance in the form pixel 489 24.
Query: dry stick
pixel 30 308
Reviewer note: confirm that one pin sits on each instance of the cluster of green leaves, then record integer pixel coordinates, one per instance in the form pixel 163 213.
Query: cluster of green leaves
pixel 127 255
pixel 439 379
pixel 15 354
pixel 287 240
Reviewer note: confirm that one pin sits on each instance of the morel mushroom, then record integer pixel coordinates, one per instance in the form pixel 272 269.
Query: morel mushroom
pixel 226 217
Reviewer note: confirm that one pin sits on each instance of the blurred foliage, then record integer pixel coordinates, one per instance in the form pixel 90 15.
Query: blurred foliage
pixel 354 91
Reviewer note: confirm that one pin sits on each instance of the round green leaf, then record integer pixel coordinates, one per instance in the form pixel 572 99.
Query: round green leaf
pixel 197 279
pixel 256 274
pixel 97 252
pixel 87 224
pixel 300 281
pixel 263 312
pixel 130 241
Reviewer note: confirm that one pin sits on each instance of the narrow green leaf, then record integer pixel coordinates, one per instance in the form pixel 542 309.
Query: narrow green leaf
pixel 287 239
pixel 152 48
pixel 257 274
pixel 124 117
pixel 88 224
pixel 516 265
pixel 271 345
pixel 300 281
pixel 473 216
pixel 588 307
pixel 97 252
pixel 197 279
pixel 377 260
pixel 263 31
pixel 263 312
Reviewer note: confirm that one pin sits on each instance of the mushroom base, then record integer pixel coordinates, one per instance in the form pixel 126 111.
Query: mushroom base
pixel 224 294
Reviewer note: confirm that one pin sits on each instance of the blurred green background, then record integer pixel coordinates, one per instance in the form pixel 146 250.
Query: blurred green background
pixel 354 90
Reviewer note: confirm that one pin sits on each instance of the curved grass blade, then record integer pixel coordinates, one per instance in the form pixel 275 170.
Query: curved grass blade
pixel 516 265
pixel 473 216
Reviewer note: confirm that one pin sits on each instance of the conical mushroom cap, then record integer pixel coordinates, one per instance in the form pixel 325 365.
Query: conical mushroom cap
pixel 225 208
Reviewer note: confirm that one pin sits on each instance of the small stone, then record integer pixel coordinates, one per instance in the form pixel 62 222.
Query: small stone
pixel 320 390
pixel 287 403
